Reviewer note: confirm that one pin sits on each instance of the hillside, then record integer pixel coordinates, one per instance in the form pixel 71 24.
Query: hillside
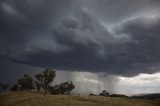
pixel 30 99
pixel 147 96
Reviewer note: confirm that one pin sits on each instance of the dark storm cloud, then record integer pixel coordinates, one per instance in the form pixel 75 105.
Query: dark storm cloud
pixel 11 71
pixel 77 35
pixel 23 20
pixel 143 49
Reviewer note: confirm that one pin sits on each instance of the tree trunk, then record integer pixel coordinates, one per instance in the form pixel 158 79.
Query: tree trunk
pixel 45 91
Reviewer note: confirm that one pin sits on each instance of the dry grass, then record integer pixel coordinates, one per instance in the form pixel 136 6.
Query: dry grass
pixel 30 99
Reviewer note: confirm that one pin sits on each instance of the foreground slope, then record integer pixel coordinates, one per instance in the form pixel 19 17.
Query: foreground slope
pixel 30 99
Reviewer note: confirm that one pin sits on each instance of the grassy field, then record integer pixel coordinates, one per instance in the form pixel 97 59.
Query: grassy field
pixel 32 99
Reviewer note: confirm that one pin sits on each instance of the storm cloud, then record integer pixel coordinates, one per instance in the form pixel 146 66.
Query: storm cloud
pixel 110 36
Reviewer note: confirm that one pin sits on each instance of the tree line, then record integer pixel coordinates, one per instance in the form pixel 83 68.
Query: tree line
pixel 106 94
pixel 42 82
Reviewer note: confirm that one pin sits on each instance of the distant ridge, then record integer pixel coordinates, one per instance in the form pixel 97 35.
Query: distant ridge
pixel 147 96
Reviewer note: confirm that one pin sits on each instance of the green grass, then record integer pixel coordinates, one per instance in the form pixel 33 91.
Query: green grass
pixel 33 99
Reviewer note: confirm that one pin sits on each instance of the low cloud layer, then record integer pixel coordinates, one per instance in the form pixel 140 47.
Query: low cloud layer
pixel 137 84
pixel 87 83
pixel 109 36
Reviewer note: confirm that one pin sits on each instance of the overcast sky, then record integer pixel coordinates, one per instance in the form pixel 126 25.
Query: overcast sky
pixel 99 44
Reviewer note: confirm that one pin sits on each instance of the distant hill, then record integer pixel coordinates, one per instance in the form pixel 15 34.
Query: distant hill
pixel 147 96
pixel 118 95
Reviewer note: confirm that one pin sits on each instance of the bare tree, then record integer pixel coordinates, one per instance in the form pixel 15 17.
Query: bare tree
pixel 45 78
